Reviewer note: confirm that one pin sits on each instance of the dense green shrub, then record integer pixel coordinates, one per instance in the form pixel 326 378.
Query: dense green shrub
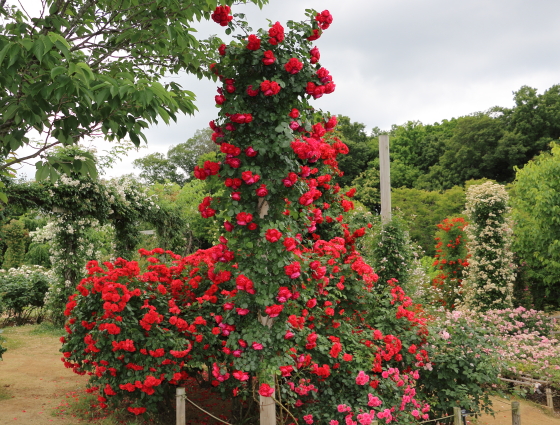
pixel 390 250
pixel 23 290
pixel 14 235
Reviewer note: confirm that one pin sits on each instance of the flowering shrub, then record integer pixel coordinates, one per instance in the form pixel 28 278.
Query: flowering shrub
pixel 283 308
pixel 464 363
pixel 450 259
pixel 526 347
pixel 488 283
pixel 23 290
pixel 72 240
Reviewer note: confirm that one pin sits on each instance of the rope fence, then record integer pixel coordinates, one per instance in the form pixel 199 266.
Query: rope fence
pixel 458 416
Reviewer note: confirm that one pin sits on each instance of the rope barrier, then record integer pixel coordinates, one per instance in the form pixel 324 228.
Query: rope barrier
pixel 208 413
pixel 433 420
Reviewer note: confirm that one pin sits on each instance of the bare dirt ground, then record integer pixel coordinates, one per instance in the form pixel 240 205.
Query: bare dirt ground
pixel 33 380
pixel 531 414
pixel 36 388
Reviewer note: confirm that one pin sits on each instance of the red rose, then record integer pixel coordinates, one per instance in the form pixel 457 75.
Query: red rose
pixel 250 178
pixel 222 49
pixel 293 66
pixel 268 58
pixel 290 180
pixel 222 15
pixel 289 244
pixel 314 35
pixel 233 162
pixel 273 235
pixel 276 33
pixel 324 19
pixel 250 152
pixel 244 218
pixel 254 43
pixel 293 270
pixel 252 92
pixel 262 191
pixel 266 390
pixel 270 88
pixel 315 55
pixel 294 113
pixel 274 310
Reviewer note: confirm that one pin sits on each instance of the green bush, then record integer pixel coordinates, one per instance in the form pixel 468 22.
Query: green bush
pixel 390 251
pixel 15 237
pixel 2 349
pixel 22 292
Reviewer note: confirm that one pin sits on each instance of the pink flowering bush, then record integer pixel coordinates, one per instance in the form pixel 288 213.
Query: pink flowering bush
pixel 526 345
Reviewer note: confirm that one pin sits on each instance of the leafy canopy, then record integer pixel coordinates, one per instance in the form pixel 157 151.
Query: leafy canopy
pixel 95 67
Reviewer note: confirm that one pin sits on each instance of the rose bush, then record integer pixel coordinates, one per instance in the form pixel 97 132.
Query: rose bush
pixel 283 306
pixel 450 260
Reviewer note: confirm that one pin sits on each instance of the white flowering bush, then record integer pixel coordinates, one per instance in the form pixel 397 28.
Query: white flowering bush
pixel 73 241
pixel 489 276
pixel 22 292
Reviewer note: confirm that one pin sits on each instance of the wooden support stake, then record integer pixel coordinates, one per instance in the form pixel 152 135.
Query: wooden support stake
pixel 549 401
pixel 385 178
pixel 457 416
pixel 267 404
pixel 515 413
pixel 180 396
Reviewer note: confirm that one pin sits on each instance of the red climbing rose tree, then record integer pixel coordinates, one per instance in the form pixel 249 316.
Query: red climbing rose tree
pixel 283 306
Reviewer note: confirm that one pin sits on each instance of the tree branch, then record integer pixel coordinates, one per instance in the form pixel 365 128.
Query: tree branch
pixel 34 155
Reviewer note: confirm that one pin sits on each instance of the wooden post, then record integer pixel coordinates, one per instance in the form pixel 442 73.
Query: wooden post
pixel 180 396
pixel 549 401
pixel 515 413
pixel 267 405
pixel 385 178
pixel 457 417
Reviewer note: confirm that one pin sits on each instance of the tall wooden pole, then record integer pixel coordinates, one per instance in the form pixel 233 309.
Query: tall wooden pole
pixel 267 406
pixel 385 178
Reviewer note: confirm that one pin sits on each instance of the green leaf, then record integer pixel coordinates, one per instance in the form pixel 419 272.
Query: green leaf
pixel 38 49
pixel 57 70
pixel 3 52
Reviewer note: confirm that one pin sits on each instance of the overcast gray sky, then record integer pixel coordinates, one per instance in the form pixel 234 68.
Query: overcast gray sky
pixel 400 60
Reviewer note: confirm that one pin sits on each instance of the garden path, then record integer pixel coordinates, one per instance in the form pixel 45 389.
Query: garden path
pixel 34 382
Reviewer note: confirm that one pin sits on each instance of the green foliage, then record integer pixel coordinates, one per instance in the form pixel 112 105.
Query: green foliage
pixel 23 290
pixel 536 206
pixel 54 80
pixel 14 235
pixel 178 165
pixel 368 187
pixel 183 230
pixel 38 254
pixel 425 209
pixel 465 365
pixel 390 252
pixel 2 348
pixel 362 149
